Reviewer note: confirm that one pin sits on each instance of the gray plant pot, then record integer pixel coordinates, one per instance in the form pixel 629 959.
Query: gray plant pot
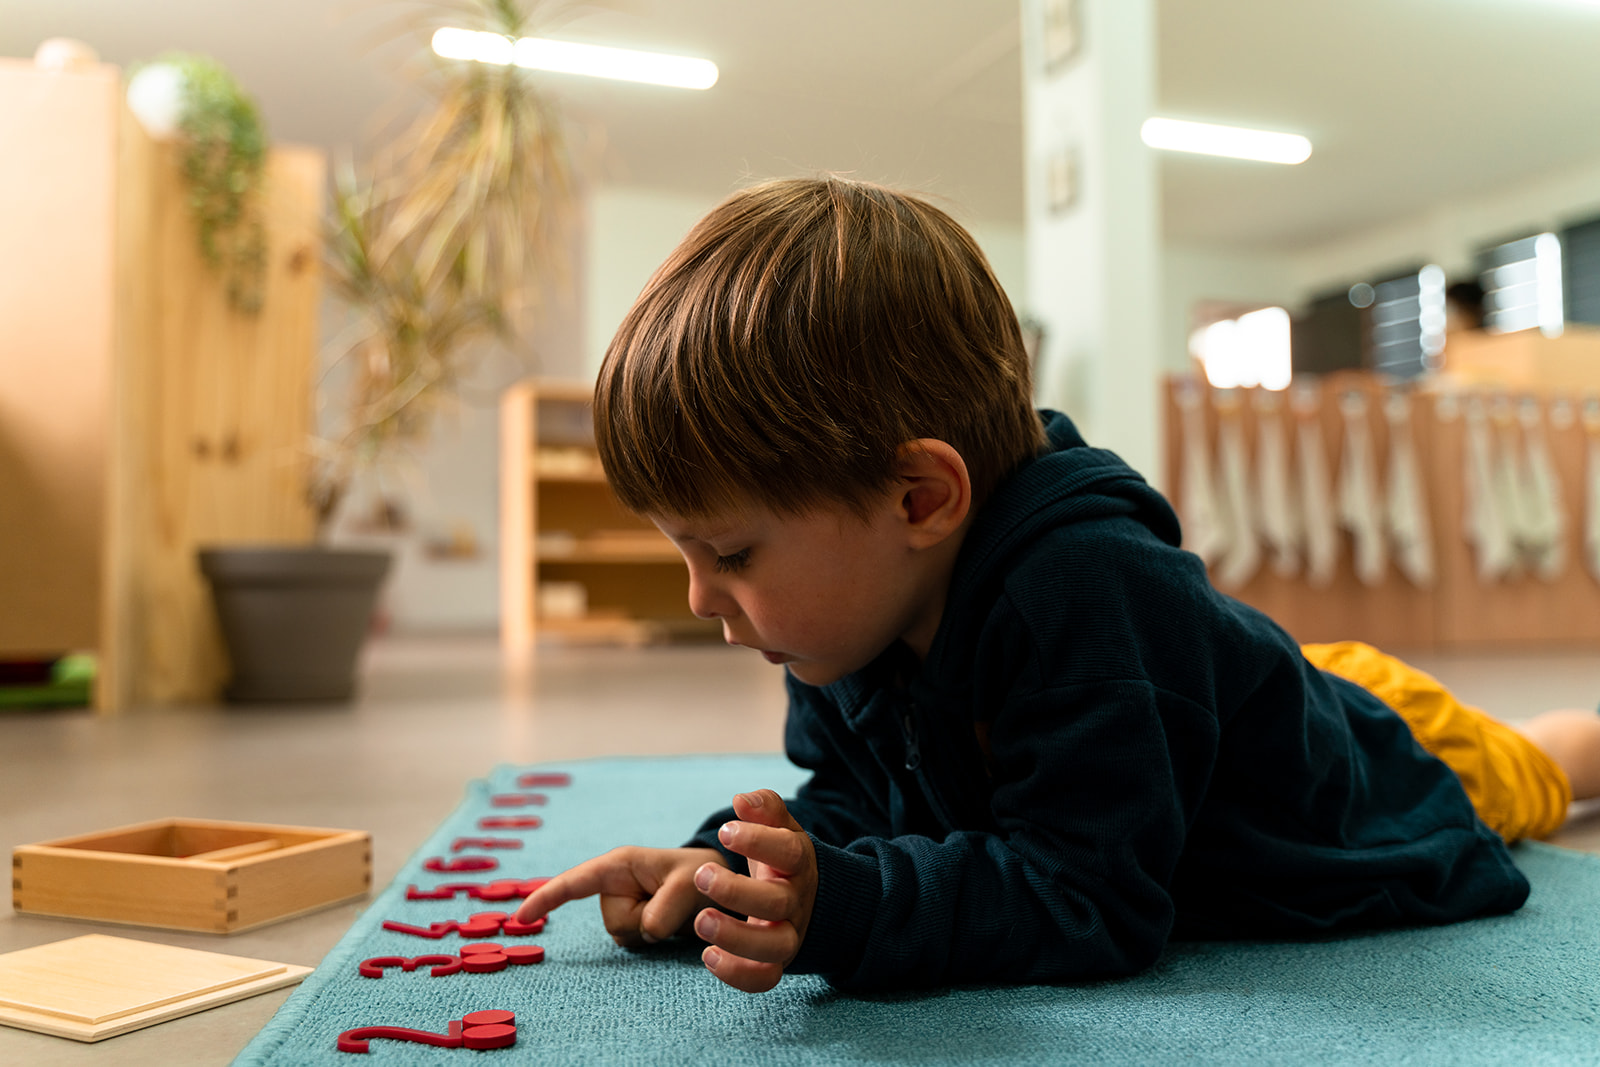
pixel 294 618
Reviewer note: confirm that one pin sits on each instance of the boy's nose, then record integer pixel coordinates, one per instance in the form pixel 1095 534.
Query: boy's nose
pixel 705 600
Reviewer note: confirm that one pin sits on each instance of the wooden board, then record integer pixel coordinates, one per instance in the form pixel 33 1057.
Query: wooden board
pixel 57 178
pixel 96 986
pixel 214 429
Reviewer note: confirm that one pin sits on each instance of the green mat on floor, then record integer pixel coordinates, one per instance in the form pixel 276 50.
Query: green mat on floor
pixel 1518 988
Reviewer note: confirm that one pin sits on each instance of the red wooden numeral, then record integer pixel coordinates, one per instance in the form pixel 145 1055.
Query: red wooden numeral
pixel 510 822
pixel 544 779
pixel 476 1030
pixel 463 863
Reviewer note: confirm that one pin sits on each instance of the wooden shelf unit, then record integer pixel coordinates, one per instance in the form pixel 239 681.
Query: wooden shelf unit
pixel 1459 611
pixel 140 416
pixel 560 522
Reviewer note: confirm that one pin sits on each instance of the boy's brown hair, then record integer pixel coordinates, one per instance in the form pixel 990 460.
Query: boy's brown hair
pixel 801 333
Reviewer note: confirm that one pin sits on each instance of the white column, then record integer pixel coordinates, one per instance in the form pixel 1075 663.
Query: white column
pixel 1093 237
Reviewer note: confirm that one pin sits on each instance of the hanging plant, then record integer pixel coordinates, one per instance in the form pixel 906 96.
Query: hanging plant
pixel 224 152
pixel 438 247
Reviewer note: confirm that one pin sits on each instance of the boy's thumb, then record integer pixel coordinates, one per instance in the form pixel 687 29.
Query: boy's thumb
pixel 765 807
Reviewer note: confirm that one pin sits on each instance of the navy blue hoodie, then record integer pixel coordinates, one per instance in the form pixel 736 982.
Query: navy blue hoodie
pixel 1160 761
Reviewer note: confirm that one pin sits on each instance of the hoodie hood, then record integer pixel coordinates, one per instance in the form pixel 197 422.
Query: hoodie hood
pixel 1070 483
pixel 1066 485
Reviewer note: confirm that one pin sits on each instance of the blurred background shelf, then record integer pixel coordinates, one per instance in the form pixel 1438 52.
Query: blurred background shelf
pixel 575 566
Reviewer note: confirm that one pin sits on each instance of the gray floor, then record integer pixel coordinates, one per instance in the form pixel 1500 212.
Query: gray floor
pixel 435 712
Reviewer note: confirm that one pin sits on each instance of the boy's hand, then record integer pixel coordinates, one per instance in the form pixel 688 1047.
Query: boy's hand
pixel 778 895
pixel 646 894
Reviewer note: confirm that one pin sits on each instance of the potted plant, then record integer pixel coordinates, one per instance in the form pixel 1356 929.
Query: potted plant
pixel 434 249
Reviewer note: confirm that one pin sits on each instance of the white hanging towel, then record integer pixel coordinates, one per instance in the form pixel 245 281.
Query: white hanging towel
pixel 1243 556
pixel 1508 477
pixel 1360 508
pixel 1591 425
pixel 1543 530
pixel 1410 532
pixel 1320 529
pixel 1278 512
pixel 1200 512
pixel 1484 522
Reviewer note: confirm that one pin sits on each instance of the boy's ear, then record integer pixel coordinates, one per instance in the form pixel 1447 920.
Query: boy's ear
pixel 935 490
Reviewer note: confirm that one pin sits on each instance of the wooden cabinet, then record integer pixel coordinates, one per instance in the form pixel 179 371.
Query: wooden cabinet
pixel 1459 609
pixel 573 563
pixel 140 417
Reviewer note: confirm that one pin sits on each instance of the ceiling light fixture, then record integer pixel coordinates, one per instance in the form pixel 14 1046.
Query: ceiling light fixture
pixel 565 57
pixel 1176 135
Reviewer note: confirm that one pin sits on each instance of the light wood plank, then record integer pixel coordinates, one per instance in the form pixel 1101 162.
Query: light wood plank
pixel 97 978
pixel 57 305
pixel 235 852
pixel 96 986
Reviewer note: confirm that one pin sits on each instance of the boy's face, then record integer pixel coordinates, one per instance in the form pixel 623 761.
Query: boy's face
pixel 822 593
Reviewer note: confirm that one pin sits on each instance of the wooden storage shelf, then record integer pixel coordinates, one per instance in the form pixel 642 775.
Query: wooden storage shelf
pixel 560 523
pixel 192 874
pixel 141 417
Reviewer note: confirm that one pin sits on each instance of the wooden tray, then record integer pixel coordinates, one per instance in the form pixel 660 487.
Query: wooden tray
pixel 93 987
pixel 192 874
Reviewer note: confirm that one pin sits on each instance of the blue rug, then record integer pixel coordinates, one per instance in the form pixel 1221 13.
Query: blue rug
pixel 1521 988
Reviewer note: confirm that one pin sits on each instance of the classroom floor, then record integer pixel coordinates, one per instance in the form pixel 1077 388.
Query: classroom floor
pixel 434 712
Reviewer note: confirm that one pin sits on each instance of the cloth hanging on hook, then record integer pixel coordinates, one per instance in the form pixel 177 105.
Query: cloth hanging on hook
pixel 1200 512
pixel 1318 525
pixel 1543 532
pixel 1360 510
pixel 1243 556
pixel 1508 477
pixel 1279 516
pixel 1591 423
pixel 1484 522
pixel 1406 504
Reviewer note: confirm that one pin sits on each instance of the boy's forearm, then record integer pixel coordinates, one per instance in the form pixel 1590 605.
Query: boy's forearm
pixel 916 912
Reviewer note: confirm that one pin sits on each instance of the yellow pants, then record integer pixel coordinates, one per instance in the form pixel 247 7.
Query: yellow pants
pixel 1518 790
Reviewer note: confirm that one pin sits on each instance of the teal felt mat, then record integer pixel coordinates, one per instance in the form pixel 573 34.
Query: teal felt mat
pixel 1520 988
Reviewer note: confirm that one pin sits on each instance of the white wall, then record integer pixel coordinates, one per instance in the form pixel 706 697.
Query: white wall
pixel 1191 275
pixel 1005 247
pixel 630 232
pixel 1093 266
pixel 451 482
pixel 1450 233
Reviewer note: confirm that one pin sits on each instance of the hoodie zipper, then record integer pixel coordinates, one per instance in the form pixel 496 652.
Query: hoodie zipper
pixel 913 750
pixel 936 801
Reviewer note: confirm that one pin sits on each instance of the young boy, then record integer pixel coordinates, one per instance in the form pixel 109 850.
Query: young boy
pixel 1041 743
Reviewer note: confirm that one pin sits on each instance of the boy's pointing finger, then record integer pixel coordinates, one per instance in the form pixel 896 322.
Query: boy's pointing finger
pixel 548 898
pixel 604 874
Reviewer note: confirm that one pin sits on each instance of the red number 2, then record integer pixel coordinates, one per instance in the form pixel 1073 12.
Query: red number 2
pixel 478 1029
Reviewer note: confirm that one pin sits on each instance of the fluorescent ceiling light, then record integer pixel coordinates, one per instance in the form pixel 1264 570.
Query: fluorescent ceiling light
pixel 564 57
pixel 1178 136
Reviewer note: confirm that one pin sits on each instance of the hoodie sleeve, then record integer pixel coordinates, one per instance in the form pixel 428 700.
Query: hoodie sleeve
pixel 1091 812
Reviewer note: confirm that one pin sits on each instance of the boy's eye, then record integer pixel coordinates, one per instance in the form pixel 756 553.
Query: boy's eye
pixel 734 562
